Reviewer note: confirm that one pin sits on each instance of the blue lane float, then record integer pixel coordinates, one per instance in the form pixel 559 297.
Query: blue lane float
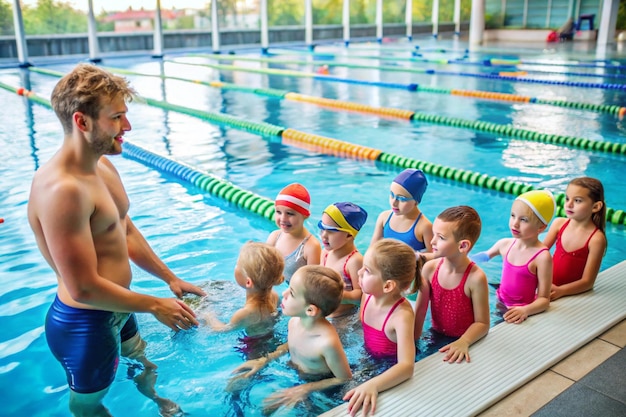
pixel 209 183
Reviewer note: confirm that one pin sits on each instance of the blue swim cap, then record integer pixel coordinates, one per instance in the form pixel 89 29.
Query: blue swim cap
pixel 414 181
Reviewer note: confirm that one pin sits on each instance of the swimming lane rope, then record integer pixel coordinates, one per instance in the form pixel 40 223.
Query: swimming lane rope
pixel 324 145
pixel 481 126
pixel 485 95
pixel 492 76
pixel 264 207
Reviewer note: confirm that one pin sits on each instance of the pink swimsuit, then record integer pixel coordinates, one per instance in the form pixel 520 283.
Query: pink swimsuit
pixel 518 286
pixel 376 341
pixel 347 279
pixel 569 266
pixel 451 311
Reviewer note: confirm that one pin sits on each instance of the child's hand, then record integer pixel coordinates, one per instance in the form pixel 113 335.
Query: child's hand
pixel 285 398
pixel 237 382
pixel 456 351
pixel 515 315
pixel 364 395
pixel 555 293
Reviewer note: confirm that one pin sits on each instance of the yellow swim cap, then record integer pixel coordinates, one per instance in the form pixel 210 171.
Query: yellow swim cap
pixel 541 202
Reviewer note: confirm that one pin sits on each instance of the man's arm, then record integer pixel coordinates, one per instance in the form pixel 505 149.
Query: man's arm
pixel 67 231
pixel 144 257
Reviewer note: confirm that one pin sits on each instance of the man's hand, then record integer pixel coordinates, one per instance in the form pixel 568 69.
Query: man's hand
pixel 180 288
pixel 175 314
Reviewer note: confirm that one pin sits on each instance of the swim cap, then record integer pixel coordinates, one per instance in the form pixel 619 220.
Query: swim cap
pixel 296 197
pixel 541 202
pixel 414 181
pixel 348 216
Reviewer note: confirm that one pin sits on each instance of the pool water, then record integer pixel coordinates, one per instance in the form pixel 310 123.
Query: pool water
pixel 199 235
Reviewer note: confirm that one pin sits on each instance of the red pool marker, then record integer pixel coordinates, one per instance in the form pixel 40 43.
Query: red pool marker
pixel 1 220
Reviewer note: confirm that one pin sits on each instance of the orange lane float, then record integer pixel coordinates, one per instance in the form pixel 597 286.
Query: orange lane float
pixel 357 107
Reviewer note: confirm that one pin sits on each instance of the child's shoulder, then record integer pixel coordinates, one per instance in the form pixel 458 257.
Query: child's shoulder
pixel 402 313
pixel 356 258
pixel 382 217
pixel 271 238
pixel 505 243
pixel 477 276
pixel 558 223
pixel 429 268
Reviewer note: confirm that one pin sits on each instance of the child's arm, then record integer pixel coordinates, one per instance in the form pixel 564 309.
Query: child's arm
pixel 271 238
pixel 423 298
pixel 366 394
pixel 555 226
pixel 354 297
pixel 237 321
pixel 597 246
pixel 335 358
pixel 479 293
pixel 313 251
pixel 253 366
pixel 497 249
pixel 542 302
pixel 426 230
pixel 378 228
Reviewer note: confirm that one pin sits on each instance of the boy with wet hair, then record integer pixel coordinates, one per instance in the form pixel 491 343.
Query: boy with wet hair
pixel 454 285
pixel 312 341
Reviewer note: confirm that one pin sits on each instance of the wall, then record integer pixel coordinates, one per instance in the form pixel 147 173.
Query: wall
pixel 111 43
pixel 540 14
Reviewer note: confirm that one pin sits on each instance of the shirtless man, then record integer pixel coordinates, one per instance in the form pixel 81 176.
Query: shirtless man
pixel 78 210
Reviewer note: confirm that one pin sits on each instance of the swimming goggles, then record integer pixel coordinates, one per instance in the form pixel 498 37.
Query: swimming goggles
pixel 323 226
pixel 400 198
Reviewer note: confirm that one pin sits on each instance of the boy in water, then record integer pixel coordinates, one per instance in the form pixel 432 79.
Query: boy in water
pixel 312 341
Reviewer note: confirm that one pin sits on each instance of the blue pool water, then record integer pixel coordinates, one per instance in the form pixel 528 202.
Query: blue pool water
pixel 199 235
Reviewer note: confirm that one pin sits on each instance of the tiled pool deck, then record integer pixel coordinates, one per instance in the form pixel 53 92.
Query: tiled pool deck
pixel 589 382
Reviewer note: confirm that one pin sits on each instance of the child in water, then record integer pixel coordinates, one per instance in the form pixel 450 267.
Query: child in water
pixel 338 228
pixel 389 269
pixel 312 341
pixel 405 221
pixel 526 262
pixel 259 268
pixel 292 239
pixel 455 286
pixel 580 238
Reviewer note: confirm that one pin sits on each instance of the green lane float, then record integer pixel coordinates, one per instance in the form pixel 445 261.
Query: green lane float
pixel 336 147
pixel 481 126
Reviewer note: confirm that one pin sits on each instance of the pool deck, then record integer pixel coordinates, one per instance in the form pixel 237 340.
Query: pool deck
pixel 569 361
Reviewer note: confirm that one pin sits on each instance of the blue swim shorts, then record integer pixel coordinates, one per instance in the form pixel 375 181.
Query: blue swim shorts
pixel 87 343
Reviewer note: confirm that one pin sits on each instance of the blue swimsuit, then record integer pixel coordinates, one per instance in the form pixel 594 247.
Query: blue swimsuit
pixel 87 343
pixel 407 237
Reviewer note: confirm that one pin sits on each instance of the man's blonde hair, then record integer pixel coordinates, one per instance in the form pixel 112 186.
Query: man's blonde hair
pixel 86 89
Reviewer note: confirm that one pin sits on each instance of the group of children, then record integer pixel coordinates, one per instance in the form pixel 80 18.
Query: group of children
pixel 407 254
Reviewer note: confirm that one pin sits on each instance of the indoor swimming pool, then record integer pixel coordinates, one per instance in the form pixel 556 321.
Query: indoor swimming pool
pixel 198 232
